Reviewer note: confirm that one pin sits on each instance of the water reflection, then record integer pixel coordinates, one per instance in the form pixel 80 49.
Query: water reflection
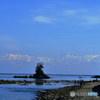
pixel 39 82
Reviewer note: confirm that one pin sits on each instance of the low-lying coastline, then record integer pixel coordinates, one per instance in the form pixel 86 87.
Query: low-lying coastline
pixel 14 82
pixel 39 81
pixel 64 93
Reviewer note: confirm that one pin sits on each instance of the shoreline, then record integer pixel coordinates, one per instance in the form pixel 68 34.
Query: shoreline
pixel 64 93
pixel 39 81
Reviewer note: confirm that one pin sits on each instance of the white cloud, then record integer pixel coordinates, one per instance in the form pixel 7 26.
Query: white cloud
pixel 83 16
pixel 43 19
pixel 91 20
pixel 69 12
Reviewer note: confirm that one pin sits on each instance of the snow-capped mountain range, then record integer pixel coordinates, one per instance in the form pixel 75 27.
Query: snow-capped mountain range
pixel 59 59
pixel 69 62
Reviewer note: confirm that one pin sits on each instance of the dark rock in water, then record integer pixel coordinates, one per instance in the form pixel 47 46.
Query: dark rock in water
pixel 38 75
pixel 20 76
pixel 96 76
pixel 39 72
pixel 31 76
pixel 24 76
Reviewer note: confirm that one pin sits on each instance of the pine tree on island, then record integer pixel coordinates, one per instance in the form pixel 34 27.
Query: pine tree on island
pixel 39 72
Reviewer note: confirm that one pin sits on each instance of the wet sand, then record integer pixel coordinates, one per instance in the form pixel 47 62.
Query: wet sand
pixel 64 93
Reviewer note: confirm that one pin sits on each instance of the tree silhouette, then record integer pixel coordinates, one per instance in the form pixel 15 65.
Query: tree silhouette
pixel 39 72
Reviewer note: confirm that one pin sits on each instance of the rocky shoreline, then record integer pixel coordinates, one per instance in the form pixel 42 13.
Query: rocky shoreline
pixel 39 81
pixel 64 93
pixel 15 82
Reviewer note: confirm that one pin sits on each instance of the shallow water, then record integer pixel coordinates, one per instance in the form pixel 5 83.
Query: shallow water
pixel 25 92
pixel 30 91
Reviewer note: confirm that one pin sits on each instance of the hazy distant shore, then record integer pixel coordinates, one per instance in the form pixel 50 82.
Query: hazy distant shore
pixel 47 74
pixel 64 93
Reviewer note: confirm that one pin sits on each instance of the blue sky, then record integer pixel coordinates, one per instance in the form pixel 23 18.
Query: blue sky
pixel 49 27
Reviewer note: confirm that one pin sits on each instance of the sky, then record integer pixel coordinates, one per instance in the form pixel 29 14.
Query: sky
pixel 49 27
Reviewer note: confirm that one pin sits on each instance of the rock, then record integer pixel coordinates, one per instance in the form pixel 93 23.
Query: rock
pixel 20 77
pixel 38 75
pixel 39 72
pixel 96 76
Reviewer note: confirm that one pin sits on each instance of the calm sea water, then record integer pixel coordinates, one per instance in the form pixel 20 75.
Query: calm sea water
pixel 30 91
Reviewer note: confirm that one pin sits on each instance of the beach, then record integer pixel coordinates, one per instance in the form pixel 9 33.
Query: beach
pixel 64 93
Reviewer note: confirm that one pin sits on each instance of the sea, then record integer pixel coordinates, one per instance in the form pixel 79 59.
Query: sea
pixel 30 91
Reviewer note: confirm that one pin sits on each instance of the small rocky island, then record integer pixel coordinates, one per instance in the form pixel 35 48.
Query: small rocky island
pixel 38 75
pixel 39 72
pixel 96 76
